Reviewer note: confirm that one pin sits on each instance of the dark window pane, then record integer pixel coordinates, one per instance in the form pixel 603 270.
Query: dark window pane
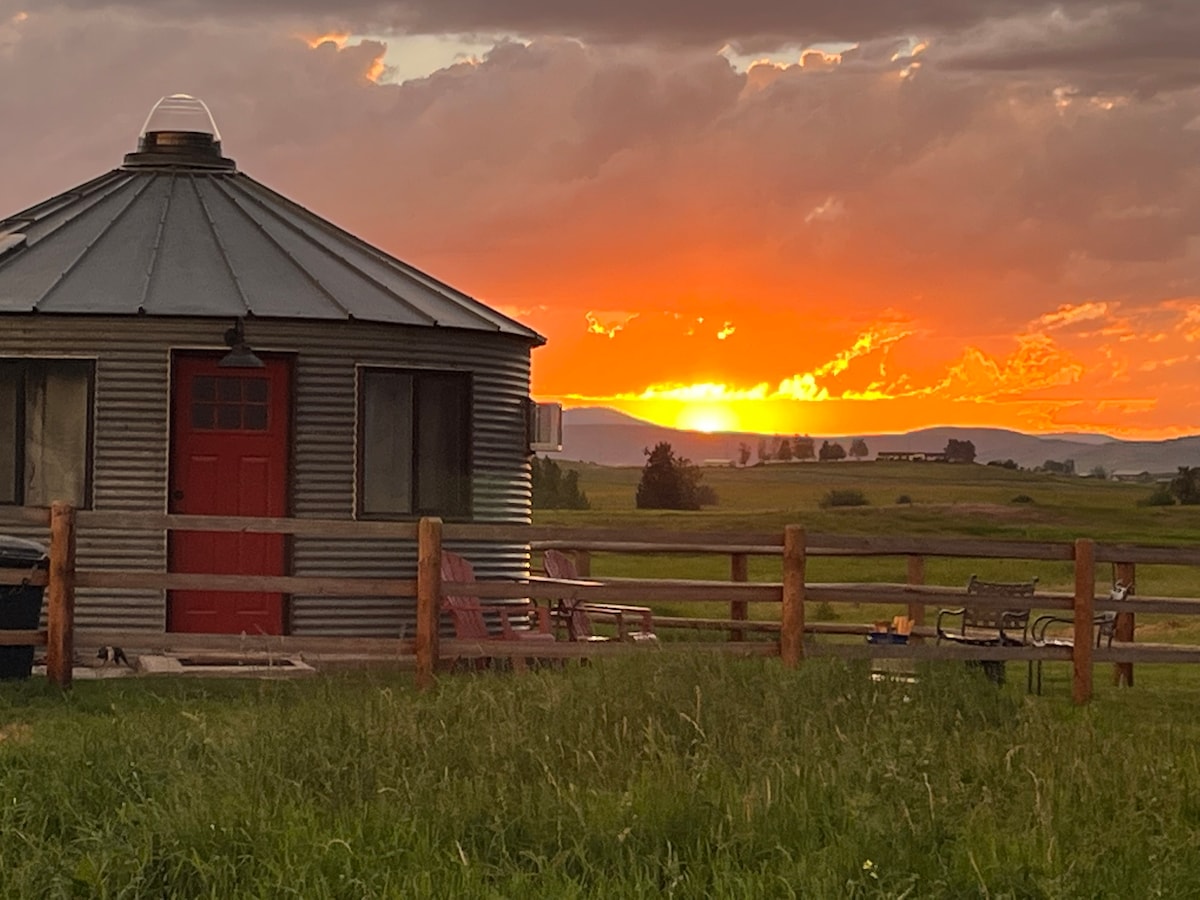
pixel 385 442
pixel 229 390
pixel 10 383
pixel 254 417
pixel 203 416
pixel 255 390
pixel 229 417
pixel 57 420
pixel 443 482
pixel 204 388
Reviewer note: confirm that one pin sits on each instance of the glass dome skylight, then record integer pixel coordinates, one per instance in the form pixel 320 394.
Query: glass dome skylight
pixel 179 133
pixel 180 112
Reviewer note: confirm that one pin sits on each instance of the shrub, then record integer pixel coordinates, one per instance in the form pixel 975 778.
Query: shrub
pixel 1022 498
pixel 1161 497
pixel 904 499
pixel 825 612
pixel 843 497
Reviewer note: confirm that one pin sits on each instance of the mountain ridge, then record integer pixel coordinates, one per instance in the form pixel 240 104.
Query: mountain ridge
pixel 609 437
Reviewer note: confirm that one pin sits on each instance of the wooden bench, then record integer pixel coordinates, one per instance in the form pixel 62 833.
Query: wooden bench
pixel 988 626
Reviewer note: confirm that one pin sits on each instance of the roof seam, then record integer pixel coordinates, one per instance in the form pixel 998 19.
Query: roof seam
pixel 470 304
pixel 295 262
pixel 340 259
pixel 237 282
pixel 154 251
pixel 89 246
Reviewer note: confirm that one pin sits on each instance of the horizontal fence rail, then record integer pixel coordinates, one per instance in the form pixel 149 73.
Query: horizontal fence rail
pixel 785 637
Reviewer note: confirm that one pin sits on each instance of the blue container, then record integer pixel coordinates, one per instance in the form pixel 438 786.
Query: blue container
pixel 886 637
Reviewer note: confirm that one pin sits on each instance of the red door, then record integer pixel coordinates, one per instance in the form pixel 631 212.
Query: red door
pixel 229 457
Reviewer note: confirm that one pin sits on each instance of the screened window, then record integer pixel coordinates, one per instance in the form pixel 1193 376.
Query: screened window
pixel 45 429
pixel 414 443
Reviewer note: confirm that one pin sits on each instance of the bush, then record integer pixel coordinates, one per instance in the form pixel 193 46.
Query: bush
pixel 843 497
pixel 904 499
pixel 1022 498
pixel 825 612
pixel 1161 497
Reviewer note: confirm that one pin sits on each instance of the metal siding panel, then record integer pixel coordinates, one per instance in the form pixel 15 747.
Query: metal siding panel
pixel 131 449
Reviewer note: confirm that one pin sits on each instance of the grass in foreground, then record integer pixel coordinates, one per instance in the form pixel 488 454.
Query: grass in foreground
pixel 663 774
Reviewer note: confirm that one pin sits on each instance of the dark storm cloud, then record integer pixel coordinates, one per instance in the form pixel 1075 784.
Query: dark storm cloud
pixel 752 24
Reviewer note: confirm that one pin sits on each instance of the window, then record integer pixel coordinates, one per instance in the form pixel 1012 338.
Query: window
pixel 230 403
pixel 45 431
pixel 414 443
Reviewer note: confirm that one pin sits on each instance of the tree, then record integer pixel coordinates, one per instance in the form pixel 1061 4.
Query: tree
pixel 670 482
pixel 1098 472
pixel 960 451
pixel 1185 486
pixel 830 451
pixel 858 448
pixel 1054 467
pixel 764 450
pixel 743 453
pixel 802 448
pixel 554 490
pixel 784 454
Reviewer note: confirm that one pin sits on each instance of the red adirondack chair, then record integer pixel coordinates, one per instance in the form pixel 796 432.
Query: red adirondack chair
pixel 467 612
pixel 578 615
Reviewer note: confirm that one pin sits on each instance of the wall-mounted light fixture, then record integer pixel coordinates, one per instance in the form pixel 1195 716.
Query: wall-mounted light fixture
pixel 240 356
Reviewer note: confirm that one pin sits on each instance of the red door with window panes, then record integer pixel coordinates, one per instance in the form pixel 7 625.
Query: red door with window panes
pixel 229 457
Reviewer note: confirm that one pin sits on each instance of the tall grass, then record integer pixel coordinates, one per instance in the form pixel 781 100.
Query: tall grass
pixel 664 774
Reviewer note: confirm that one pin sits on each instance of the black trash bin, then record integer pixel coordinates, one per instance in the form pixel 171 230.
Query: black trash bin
pixel 20 604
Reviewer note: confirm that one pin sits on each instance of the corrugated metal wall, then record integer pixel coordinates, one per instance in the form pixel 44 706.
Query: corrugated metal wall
pixel 132 433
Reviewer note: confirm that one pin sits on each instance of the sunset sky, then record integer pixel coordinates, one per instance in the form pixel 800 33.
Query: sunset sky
pixel 834 217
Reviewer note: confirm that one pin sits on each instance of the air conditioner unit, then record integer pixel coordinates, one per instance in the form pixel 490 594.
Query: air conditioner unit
pixel 545 426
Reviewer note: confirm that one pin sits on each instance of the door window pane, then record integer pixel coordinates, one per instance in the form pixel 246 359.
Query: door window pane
pixel 230 403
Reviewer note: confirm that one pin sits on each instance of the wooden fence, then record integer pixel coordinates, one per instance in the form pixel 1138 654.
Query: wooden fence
pixel 794 546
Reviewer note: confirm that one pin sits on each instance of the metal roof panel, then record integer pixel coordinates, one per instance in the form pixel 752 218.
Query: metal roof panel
pixel 181 240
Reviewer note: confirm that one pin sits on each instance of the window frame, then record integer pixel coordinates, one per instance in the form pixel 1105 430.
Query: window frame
pixel 466 474
pixel 21 365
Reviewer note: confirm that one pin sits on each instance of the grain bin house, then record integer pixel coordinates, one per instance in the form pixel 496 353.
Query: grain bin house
pixel 175 336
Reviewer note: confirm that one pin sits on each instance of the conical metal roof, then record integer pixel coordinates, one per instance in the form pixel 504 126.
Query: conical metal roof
pixel 178 231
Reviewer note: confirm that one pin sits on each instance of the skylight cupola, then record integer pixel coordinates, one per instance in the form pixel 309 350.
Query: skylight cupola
pixel 179 132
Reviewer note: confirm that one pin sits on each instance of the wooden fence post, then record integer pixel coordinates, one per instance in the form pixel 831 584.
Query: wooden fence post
pixel 429 598
pixel 739 610
pixel 916 576
pixel 791 632
pixel 1123 672
pixel 1084 611
pixel 60 596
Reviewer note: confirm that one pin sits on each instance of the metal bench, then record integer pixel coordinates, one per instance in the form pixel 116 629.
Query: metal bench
pixel 988 626
pixel 1041 635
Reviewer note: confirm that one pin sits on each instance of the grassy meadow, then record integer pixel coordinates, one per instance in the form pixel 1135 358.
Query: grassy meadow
pixel 671 772
pixel 663 774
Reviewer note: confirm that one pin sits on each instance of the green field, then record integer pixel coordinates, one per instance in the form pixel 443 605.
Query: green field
pixel 671 772
pixel 661 774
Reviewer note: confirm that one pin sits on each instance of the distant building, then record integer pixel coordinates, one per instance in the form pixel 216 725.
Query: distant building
pixel 911 456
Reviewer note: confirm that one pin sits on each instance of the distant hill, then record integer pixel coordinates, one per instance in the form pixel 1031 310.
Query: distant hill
pixel 611 438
